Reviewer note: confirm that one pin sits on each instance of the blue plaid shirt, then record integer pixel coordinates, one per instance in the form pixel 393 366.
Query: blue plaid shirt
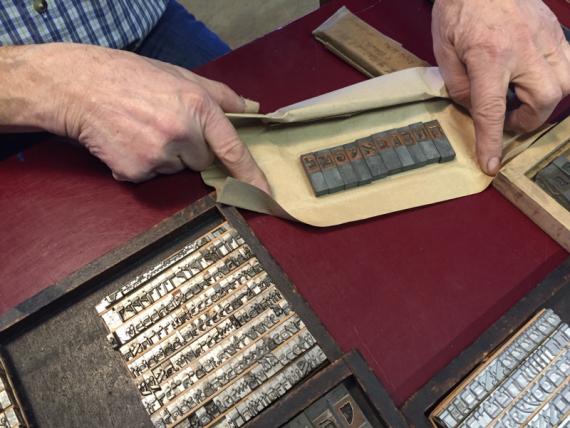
pixel 112 23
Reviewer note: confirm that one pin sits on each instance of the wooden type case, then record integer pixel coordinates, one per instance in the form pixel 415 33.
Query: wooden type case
pixel 553 293
pixel 68 375
pixel 351 371
pixel 516 182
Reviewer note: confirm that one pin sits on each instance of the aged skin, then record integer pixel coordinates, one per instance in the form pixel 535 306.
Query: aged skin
pixel 140 116
pixel 143 117
pixel 483 45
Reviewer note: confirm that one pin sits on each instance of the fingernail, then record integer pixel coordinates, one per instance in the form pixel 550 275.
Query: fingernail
pixel 250 106
pixel 493 165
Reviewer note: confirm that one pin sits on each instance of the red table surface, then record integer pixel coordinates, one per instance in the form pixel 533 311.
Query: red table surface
pixel 409 290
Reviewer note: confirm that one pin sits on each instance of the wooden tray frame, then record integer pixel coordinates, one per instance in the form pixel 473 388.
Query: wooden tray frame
pixel 553 293
pixel 515 182
pixel 137 254
pixel 351 370
pixel 128 255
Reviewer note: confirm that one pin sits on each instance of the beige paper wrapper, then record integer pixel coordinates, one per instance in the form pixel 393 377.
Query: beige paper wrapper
pixel 386 102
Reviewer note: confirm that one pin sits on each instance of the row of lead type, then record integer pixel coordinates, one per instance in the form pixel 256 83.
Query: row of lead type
pixel 555 179
pixel 377 156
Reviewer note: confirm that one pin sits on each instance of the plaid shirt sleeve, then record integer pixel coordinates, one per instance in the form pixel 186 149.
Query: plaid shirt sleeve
pixel 112 23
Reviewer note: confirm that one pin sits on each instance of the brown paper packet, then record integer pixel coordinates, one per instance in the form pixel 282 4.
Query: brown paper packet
pixel 385 102
pixel 364 47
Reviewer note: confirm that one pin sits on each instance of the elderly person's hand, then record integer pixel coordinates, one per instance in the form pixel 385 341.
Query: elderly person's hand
pixel 140 116
pixel 483 45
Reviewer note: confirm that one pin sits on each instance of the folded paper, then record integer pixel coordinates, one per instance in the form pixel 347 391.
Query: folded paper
pixel 277 140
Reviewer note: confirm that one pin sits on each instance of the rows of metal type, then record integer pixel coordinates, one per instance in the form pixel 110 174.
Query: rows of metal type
pixel 525 383
pixel 377 156
pixel 207 336
pixel 554 178
pixel 10 413
pixel 337 408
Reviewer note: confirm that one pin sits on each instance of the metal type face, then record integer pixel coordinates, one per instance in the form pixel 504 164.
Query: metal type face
pixel 387 152
pixel 402 151
pixel 11 415
pixel 371 158
pixel 527 382
pixel 313 171
pixel 326 420
pixel 346 409
pixel 556 183
pixel 330 171
pixel 440 140
pixel 418 155
pixel 344 167
pixel 562 163
pixel 374 162
pixel 320 414
pixel 358 163
pixel 420 135
pixel 554 179
pixel 337 408
pixel 300 421
pixel 207 337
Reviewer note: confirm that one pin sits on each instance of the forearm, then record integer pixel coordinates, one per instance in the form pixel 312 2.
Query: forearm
pixel 30 96
pixel 139 116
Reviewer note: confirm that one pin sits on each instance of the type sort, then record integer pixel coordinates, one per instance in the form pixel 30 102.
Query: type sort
pixel 377 156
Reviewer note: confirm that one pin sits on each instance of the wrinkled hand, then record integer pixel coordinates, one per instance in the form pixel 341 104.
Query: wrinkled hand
pixel 143 117
pixel 483 45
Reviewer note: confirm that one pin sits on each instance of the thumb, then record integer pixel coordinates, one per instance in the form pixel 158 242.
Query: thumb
pixel 231 151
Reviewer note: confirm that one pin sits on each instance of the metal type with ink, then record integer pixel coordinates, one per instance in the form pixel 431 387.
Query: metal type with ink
pixel 524 383
pixel 554 179
pixel 206 335
pixel 337 409
pixel 11 414
pixel 374 157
